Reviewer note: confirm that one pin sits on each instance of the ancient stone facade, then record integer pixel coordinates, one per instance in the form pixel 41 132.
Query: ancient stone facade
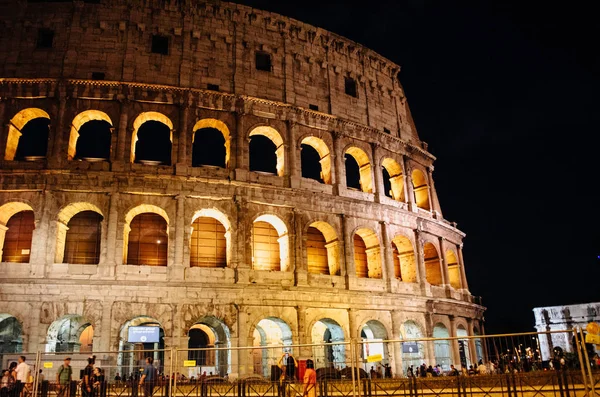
pixel 379 256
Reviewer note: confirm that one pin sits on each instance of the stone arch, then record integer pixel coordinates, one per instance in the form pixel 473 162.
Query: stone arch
pixel 70 333
pixel 413 351
pixel 139 210
pixel 330 332
pixel 405 266
pixel 275 137
pixel 11 334
pixel 373 333
pixel 263 243
pixel 79 120
pixel 367 251
pixel 131 353
pixel 442 346
pixel 63 218
pixel 217 125
pixel 463 346
pixel 364 167
pixel 20 237
pixel 431 257
pixel 140 120
pixel 272 334
pixel 394 180
pixel 324 154
pixel 421 189
pixel 218 336
pixel 453 269
pixel 15 126
pixel 330 244
pixel 220 217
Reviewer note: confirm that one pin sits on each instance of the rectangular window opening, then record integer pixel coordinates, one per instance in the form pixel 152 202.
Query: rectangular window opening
pixel 263 61
pixel 313 107
pixel 212 87
pixel 350 86
pixel 45 38
pixel 160 44
pixel 386 130
pixel 98 75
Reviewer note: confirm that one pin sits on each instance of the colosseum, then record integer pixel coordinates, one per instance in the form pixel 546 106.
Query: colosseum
pixel 228 175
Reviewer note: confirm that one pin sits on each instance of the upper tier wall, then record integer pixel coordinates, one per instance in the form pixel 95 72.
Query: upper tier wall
pixel 210 43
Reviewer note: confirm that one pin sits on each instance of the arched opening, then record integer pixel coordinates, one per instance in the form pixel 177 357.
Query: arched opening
pixel 322 249
pixel 433 272
pixel 332 355
pixel 441 347
pixel 70 333
pixel 393 179
pixel 463 347
pixel 271 334
pixel 413 351
pixel 146 237
pixel 139 338
pixel 90 136
pixel 17 223
pixel 373 333
pixel 11 334
pixel 453 269
pixel 270 244
pixel 367 255
pixel 211 143
pixel 208 243
pixel 266 151
pixel 405 267
pixel 28 134
pixel 152 139
pixel 316 159
pixel 205 335
pixel 82 243
pixel 421 189
pixel 358 165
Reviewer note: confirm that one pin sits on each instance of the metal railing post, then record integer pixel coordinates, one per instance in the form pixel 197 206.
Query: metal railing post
pixel 38 359
pixel 352 341
pixel 587 362
pixel 173 357
pixel 173 378
pixel 579 345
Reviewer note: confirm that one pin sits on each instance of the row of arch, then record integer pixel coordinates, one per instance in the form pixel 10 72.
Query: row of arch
pixel 75 333
pixel 79 228
pixel 91 138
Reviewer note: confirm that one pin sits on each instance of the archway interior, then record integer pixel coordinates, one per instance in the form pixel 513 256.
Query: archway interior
pixel 387 184
pixel 269 245
pixel 132 355
pixel 70 333
pixel 208 333
pixel 332 355
pixel 271 335
pixel 33 143
pixel 367 255
pixel 442 347
pixel 82 242
pixel 263 156
pixel 209 148
pixel 463 347
pixel 148 240
pixel 352 172
pixel 405 267
pixel 153 144
pixel 374 351
pixel 413 352
pixel 18 237
pixel 421 190
pixel 208 245
pixel 433 272
pixel 479 347
pixel 316 252
pixel 393 179
pixel 201 337
pixel 310 163
pixel 453 269
pixel 11 334
pixel 94 141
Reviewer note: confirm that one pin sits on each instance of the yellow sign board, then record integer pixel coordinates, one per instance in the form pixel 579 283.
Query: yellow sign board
pixel 48 364
pixel 375 357
pixel 593 328
pixel 591 338
pixel 189 363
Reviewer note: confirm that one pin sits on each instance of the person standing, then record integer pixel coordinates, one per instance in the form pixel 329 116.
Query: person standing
pixel 148 377
pixel 87 386
pixel 310 380
pixel 64 377
pixel 23 371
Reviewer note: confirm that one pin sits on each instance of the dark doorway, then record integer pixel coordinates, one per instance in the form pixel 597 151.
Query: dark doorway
pixel 34 141
pixel 310 160
pixel 198 339
pixel 387 184
pixel 262 155
pixel 352 173
pixel 208 148
pixel 94 140
pixel 154 143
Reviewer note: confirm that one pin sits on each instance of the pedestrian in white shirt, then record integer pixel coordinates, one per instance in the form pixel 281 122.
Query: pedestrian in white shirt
pixel 23 371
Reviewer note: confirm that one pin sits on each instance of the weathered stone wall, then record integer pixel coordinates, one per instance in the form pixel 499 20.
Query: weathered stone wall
pixel 214 43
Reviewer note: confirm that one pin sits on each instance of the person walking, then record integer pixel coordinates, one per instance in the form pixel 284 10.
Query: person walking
pixel 148 377
pixel 23 371
pixel 310 380
pixel 64 376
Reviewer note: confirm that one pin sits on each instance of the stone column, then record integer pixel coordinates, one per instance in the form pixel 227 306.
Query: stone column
pixel 408 185
pixel 396 334
pixel 105 322
pixel 183 139
pixel 122 132
pixel 42 239
pixel 58 150
pixel 349 270
pixel 433 197
pixel 4 125
pixel 298 248
pixel 419 257
pixel 463 275
pixel 108 268
pixel 444 263
pixel 292 155
pixel 472 348
pixel 387 259
pixel 378 190
pixel 241 166
pixel 454 343
pixel 339 182
pixel 176 270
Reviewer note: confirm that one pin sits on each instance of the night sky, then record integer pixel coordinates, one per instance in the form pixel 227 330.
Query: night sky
pixel 506 98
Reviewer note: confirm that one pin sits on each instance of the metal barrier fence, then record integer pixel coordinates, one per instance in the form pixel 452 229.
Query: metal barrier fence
pixel 527 364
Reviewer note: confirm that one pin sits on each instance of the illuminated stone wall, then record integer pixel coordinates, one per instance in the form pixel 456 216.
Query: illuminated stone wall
pixel 215 43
